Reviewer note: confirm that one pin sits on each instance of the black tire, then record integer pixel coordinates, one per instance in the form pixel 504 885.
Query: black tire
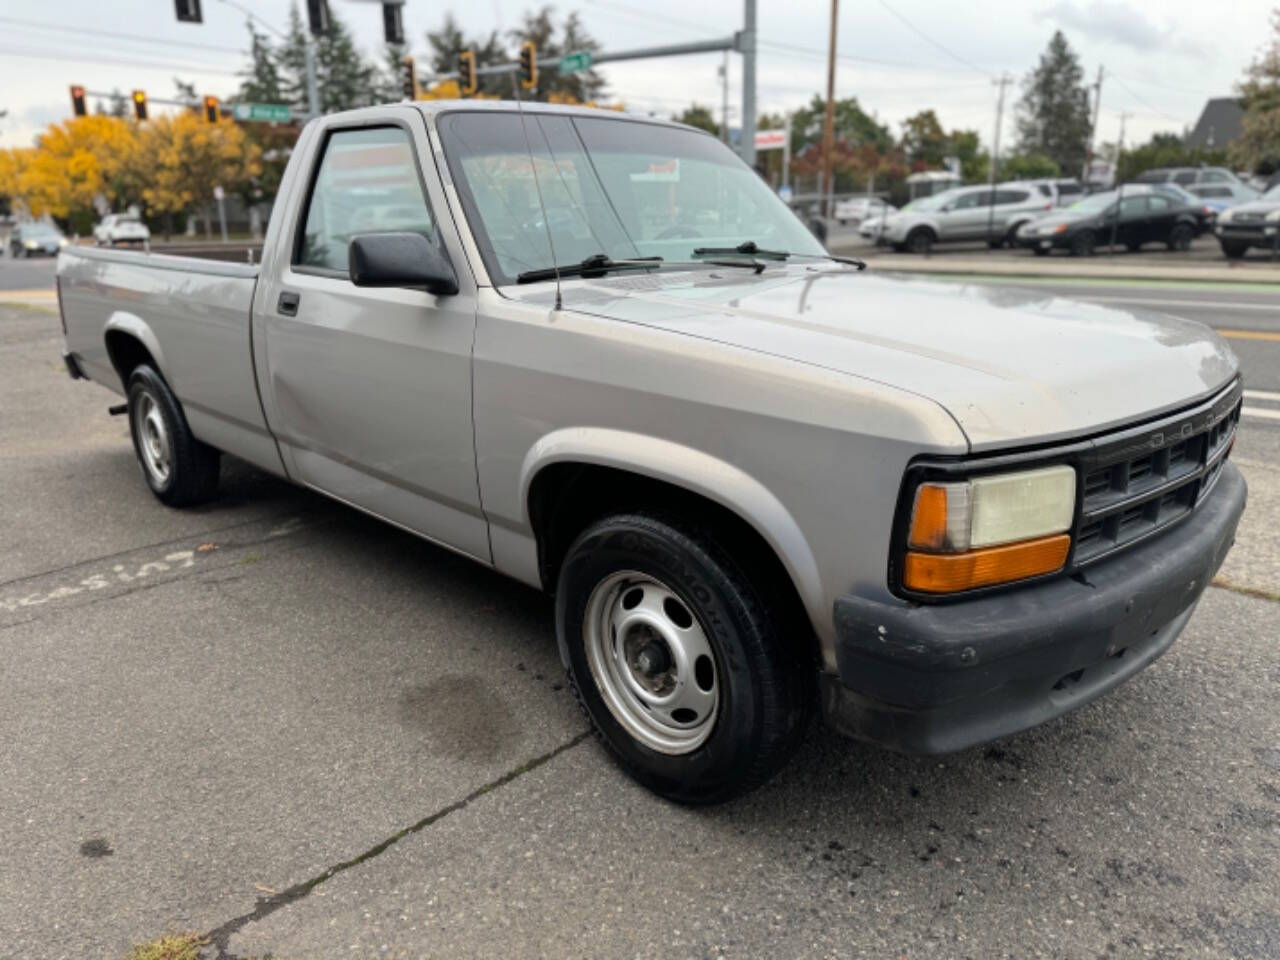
pixel 192 474
pixel 1180 237
pixel 996 244
pixel 1133 247
pixel 761 685
pixel 920 240
pixel 1084 244
pixel 1040 251
pixel 1233 250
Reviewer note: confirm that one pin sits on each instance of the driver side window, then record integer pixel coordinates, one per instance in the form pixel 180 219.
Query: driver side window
pixel 367 182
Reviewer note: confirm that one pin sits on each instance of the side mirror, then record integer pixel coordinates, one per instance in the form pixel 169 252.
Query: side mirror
pixel 400 260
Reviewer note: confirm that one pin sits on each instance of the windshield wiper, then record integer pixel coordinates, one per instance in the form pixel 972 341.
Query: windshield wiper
pixel 748 248
pixel 598 264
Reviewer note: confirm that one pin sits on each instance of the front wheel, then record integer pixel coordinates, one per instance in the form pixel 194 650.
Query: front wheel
pixel 179 469
pixel 1233 251
pixel 1084 244
pixel 1181 237
pixel 920 240
pixel 676 659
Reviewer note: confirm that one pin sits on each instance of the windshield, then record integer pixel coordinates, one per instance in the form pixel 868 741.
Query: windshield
pixel 626 189
pixel 929 203
pixel 1273 193
pixel 36 230
pixel 1094 202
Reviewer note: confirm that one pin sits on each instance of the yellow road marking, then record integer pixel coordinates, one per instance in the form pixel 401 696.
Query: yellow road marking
pixel 28 294
pixel 1272 335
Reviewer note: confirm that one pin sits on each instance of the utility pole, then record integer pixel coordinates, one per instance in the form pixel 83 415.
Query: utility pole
pixel 1093 127
pixel 724 98
pixel 829 121
pixel 1115 217
pixel 1002 83
pixel 747 46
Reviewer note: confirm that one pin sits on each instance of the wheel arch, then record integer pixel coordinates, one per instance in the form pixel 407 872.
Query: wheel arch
pixel 130 341
pixel 573 477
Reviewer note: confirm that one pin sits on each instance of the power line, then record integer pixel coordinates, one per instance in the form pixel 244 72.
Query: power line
pixel 924 36
pixel 61 28
pixel 29 54
pixel 1144 103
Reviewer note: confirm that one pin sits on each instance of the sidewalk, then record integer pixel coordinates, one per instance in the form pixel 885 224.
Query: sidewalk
pixel 1103 267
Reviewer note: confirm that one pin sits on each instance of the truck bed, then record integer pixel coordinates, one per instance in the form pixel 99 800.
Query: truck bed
pixel 192 315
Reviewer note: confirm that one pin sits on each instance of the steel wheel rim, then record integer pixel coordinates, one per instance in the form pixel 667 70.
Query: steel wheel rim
pixel 652 662
pixel 154 444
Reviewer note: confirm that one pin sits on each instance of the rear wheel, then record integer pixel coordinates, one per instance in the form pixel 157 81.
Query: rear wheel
pixel 1041 251
pixel 1181 236
pixel 179 469
pixel 1133 247
pixel 1232 250
pixel 677 659
pixel 1084 244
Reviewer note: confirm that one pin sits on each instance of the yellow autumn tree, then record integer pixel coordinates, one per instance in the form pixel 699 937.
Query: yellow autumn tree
pixel 183 157
pixel 76 161
pixel 12 164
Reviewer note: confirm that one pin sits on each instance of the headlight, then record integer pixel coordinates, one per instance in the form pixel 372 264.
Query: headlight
pixel 62 241
pixel 1225 216
pixel 989 530
pixel 1273 216
pixel 31 244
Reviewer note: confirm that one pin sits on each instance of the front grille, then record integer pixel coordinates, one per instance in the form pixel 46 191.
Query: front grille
pixel 1144 479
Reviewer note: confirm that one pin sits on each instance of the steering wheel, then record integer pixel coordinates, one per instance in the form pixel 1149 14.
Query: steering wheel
pixel 679 231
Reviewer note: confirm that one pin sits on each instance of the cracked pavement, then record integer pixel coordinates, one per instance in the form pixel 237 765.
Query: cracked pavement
pixel 307 734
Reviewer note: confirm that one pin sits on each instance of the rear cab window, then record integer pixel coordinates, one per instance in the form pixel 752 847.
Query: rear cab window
pixel 367 181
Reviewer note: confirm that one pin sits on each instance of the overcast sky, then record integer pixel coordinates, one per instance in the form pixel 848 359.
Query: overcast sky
pixel 1163 58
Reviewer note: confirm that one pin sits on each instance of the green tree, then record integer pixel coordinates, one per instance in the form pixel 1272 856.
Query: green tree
pixel 852 125
pixel 540 27
pixel 447 42
pixel 1165 150
pixel 1053 115
pixel 262 82
pixel 344 78
pixel 1258 147
pixel 966 146
pixel 389 81
pixel 1027 166
pixel 696 115
pixel 923 141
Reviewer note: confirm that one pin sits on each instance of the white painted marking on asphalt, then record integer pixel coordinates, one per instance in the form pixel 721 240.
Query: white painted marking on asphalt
pixel 1213 304
pixel 1259 412
pixel 1262 395
pixel 99 581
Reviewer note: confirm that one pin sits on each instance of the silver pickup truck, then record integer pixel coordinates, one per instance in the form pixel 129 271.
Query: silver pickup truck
pixel 596 353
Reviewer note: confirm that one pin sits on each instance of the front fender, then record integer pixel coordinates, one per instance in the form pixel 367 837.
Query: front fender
pixel 694 471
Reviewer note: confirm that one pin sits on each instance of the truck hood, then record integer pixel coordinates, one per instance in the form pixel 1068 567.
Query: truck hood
pixel 1011 364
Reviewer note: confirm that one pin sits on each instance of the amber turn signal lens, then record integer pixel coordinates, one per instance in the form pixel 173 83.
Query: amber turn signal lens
pixel 929 519
pixel 951 573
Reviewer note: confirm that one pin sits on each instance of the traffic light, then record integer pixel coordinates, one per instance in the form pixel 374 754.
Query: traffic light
pixel 393 23
pixel 77 100
pixel 318 16
pixel 188 11
pixel 467 72
pixel 139 105
pixel 211 110
pixel 410 79
pixel 529 65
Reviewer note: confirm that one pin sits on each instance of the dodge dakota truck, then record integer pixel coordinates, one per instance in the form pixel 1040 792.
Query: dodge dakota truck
pixel 598 354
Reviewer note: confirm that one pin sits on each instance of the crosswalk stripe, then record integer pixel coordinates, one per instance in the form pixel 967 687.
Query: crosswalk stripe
pixel 1262 395
pixel 1259 412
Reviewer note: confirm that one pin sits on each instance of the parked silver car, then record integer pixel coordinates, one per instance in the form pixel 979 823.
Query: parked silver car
pixel 994 214
pixel 1253 224
pixel 1216 184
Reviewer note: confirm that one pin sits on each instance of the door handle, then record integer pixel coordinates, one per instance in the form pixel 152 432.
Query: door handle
pixel 288 303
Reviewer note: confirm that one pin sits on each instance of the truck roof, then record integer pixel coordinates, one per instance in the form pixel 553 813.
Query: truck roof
pixel 432 108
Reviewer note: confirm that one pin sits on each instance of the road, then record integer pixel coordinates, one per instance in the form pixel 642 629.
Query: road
pixel 280 721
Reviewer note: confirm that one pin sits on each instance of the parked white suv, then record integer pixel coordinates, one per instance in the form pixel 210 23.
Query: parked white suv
pixel 986 213
pixel 120 228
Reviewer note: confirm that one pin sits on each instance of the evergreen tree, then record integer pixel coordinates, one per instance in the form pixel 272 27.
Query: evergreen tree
pixel 344 79
pixel 389 82
pixel 1053 115
pixel 696 115
pixel 541 29
pixel 1258 147
pixel 262 83
pixel 447 42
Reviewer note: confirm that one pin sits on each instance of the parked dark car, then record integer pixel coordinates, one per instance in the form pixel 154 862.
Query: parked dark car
pixel 1131 218
pixel 33 239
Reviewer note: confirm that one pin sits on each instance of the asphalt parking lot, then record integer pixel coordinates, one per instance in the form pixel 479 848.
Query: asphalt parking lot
pixel 278 721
